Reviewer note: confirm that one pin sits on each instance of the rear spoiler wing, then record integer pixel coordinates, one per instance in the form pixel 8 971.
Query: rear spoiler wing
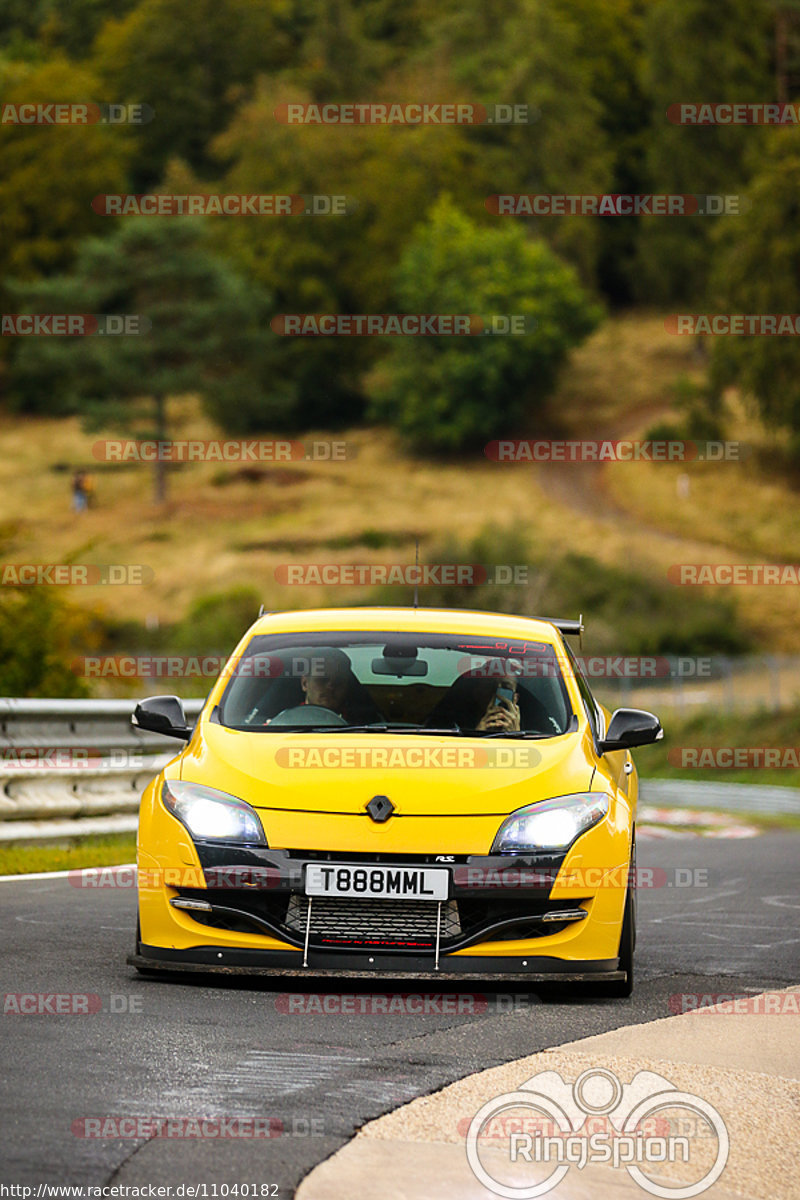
pixel 565 625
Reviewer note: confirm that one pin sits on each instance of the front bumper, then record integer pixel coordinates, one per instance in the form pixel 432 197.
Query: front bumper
pixel 321 964
pixel 505 917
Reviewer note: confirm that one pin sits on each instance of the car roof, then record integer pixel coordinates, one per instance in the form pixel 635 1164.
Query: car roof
pixel 408 620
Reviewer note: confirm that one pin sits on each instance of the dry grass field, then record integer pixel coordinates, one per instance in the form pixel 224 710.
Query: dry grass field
pixel 222 527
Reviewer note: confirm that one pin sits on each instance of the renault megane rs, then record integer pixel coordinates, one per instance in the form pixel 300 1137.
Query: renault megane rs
pixel 395 792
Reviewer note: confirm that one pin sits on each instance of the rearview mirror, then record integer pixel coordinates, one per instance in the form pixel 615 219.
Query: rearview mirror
pixel 162 714
pixel 631 727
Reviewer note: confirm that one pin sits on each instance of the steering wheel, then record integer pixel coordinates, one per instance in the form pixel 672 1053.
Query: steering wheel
pixel 308 714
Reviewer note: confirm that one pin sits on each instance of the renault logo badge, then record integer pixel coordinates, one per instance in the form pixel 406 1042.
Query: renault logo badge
pixel 380 808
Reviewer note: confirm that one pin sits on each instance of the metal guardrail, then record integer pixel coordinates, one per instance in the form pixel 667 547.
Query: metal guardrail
pixel 71 767
pixel 75 761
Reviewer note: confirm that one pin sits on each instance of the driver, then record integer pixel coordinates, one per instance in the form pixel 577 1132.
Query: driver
pixel 327 685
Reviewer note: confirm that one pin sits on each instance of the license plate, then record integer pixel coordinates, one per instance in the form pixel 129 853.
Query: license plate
pixel 383 883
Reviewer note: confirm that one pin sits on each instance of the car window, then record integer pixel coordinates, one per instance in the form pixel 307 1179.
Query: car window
pixel 594 712
pixel 414 680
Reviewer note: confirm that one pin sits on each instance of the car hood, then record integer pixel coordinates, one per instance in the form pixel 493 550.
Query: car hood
pixel 423 775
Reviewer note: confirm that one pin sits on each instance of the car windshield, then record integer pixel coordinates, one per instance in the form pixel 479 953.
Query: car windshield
pixel 397 681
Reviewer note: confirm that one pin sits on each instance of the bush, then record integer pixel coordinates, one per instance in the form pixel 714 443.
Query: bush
pixel 625 611
pixel 456 393
pixel 39 637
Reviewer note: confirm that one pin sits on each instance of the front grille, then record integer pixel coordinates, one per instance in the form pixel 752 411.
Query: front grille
pixel 373 924
pixel 368 922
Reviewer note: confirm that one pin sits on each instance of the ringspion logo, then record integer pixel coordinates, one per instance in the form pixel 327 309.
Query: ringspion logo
pixel 631 1141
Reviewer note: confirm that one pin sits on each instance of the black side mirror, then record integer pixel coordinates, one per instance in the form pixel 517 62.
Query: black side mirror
pixel 631 727
pixel 162 714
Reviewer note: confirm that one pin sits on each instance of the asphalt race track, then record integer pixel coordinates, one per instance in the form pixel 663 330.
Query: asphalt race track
pixel 722 916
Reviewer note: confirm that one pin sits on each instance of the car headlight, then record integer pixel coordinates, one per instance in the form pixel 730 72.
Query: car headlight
pixel 552 824
pixel 208 813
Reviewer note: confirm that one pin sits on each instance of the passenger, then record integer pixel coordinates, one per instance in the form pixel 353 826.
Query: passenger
pixel 502 711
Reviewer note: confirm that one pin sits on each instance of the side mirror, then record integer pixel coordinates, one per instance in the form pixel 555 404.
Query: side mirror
pixel 162 714
pixel 631 727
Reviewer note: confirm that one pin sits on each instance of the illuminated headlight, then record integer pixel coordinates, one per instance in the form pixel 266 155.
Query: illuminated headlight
pixel 207 813
pixel 552 825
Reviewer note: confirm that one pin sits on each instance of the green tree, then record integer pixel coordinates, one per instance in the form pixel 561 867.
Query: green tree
pixel 450 393
pixel 527 52
pixel 758 271
pixel 698 50
pixel 190 60
pixel 206 330
pixel 51 172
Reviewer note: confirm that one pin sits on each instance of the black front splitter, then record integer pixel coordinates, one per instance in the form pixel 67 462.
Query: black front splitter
pixel 383 966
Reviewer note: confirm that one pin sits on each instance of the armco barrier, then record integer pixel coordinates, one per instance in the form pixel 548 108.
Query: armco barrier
pixel 40 801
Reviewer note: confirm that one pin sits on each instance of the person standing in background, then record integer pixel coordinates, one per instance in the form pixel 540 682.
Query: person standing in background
pixel 80 497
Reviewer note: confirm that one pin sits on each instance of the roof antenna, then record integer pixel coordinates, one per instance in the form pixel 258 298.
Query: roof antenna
pixel 416 573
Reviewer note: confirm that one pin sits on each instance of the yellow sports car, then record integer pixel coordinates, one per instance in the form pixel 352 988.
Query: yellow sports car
pixel 395 792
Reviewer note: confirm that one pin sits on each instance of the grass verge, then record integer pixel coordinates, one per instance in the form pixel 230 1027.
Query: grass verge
pixel 70 854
